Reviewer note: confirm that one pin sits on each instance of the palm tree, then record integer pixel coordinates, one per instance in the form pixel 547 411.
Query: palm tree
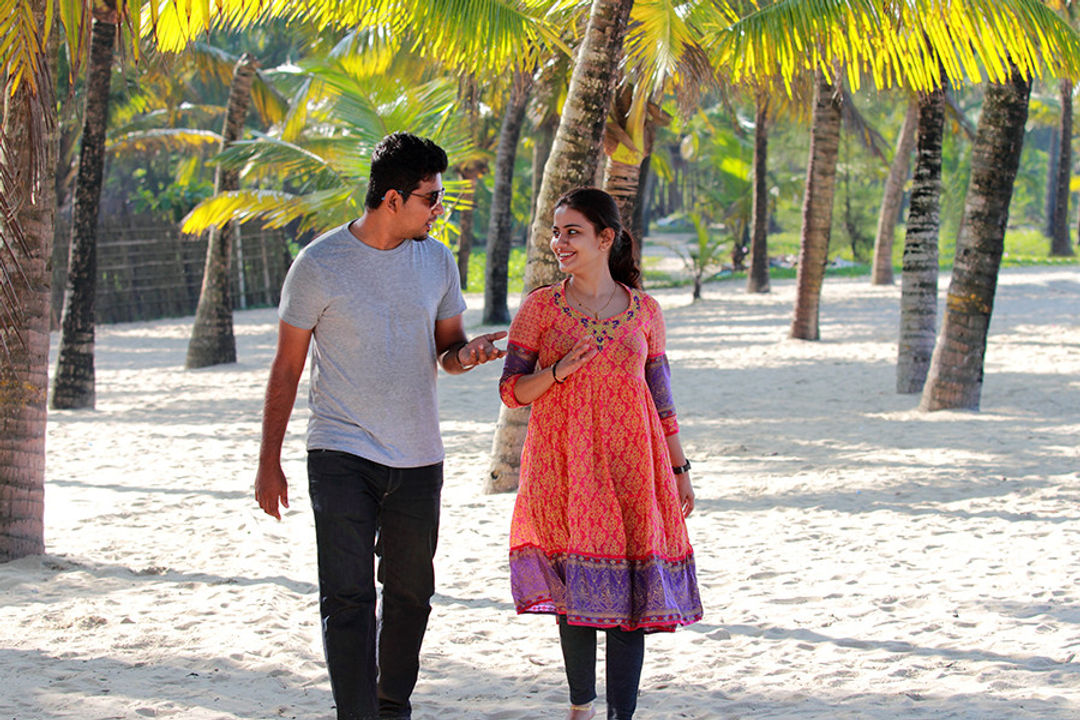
pixel 1060 245
pixel 907 42
pixel 73 382
pixel 28 152
pixel 323 147
pixel 893 196
pixel 663 54
pixel 549 84
pixel 443 31
pixel 498 234
pixel 817 208
pixel 757 279
pixel 28 146
pixel 1061 165
pixel 574 159
pixel 956 370
pixel 918 300
pixel 212 341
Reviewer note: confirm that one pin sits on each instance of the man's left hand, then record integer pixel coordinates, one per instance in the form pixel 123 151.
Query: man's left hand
pixel 481 349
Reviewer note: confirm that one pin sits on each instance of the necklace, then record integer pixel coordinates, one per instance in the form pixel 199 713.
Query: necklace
pixel 595 313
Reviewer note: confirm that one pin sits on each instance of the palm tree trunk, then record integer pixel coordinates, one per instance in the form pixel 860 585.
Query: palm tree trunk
pixel 919 283
pixel 575 156
pixel 496 270
pixel 893 197
pixel 576 151
pixel 212 340
pixel 956 370
pixel 545 138
pixel 639 225
pixel 1060 245
pixel 73 382
pixel 621 181
pixel 1052 155
pixel 28 156
pixel 757 280
pixel 817 209
pixel 465 239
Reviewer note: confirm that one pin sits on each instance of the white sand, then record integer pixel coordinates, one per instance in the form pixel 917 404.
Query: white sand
pixel 857 558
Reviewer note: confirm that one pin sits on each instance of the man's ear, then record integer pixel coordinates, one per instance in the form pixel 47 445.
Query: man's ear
pixel 392 198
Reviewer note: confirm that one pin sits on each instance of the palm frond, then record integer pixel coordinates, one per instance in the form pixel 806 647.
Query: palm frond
pixel 900 42
pixel 471 35
pixel 367 51
pixel 184 114
pixel 169 139
pixel 284 160
pixel 317 212
pixel 662 47
pixel 21 46
pixel 267 101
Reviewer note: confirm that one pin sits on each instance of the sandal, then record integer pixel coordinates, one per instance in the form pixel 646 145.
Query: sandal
pixel 581 712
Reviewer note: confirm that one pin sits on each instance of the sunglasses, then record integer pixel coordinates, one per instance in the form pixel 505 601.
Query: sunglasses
pixel 432 198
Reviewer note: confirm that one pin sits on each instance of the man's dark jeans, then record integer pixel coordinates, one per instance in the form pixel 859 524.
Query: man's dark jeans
pixel 362 509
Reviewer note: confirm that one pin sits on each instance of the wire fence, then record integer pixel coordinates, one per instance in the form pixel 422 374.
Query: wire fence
pixel 154 271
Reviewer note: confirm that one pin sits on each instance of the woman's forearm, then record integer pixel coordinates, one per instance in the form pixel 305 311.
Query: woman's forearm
pixel 530 387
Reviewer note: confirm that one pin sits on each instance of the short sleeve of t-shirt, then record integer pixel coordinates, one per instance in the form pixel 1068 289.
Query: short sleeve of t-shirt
pixel 303 295
pixel 453 302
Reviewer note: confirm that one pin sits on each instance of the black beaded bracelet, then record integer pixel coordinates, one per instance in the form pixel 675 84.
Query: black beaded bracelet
pixel 553 375
pixel 680 469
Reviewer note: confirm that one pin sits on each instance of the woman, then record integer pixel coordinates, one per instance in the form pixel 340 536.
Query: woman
pixel 599 533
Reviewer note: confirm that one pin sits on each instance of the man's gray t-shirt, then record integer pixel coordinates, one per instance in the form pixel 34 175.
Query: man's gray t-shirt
pixel 373 359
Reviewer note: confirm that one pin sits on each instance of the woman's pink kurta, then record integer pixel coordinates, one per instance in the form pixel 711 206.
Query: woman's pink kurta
pixel 598 533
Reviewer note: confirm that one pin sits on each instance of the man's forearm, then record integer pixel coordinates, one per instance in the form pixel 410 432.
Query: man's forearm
pixel 277 408
pixel 450 360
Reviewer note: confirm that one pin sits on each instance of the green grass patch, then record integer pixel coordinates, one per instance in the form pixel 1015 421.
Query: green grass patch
pixel 1023 247
pixel 515 274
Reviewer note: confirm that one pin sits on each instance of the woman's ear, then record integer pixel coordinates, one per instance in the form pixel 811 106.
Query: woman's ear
pixel 607 238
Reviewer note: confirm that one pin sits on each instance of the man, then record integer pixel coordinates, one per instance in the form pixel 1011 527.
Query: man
pixel 383 303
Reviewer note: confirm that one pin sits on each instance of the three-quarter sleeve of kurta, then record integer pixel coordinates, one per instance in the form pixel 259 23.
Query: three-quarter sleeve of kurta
pixel 657 370
pixel 522 349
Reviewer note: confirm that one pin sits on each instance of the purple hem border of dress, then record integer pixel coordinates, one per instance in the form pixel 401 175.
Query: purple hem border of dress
pixel 651 593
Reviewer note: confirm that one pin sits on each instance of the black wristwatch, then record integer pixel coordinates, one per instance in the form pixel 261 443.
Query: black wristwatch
pixel 680 469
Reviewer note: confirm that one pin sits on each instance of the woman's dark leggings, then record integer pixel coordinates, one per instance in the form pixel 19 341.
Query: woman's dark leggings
pixel 625 654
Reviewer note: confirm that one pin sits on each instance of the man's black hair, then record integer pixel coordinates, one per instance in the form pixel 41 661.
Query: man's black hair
pixel 401 161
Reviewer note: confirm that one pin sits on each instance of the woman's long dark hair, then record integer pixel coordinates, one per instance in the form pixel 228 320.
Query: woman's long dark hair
pixel 600 210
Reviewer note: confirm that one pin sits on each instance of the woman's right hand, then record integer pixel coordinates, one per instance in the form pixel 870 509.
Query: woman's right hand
pixel 583 351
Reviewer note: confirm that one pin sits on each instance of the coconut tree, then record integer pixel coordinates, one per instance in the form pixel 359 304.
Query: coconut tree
pixel 574 159
pixel 905 42
pixel 212 341
pixel 498 234
pixel 492 31
pixel 817 208
pixel 1058 219
pixel 757 279
pixel 956 370
pixel 918 299
pixel 28 147
pixel 663 55
pixel 338 113
pixel 443 33
pixel 893 196
pixel 73 381
pixel 1060 244
pixel 548 85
